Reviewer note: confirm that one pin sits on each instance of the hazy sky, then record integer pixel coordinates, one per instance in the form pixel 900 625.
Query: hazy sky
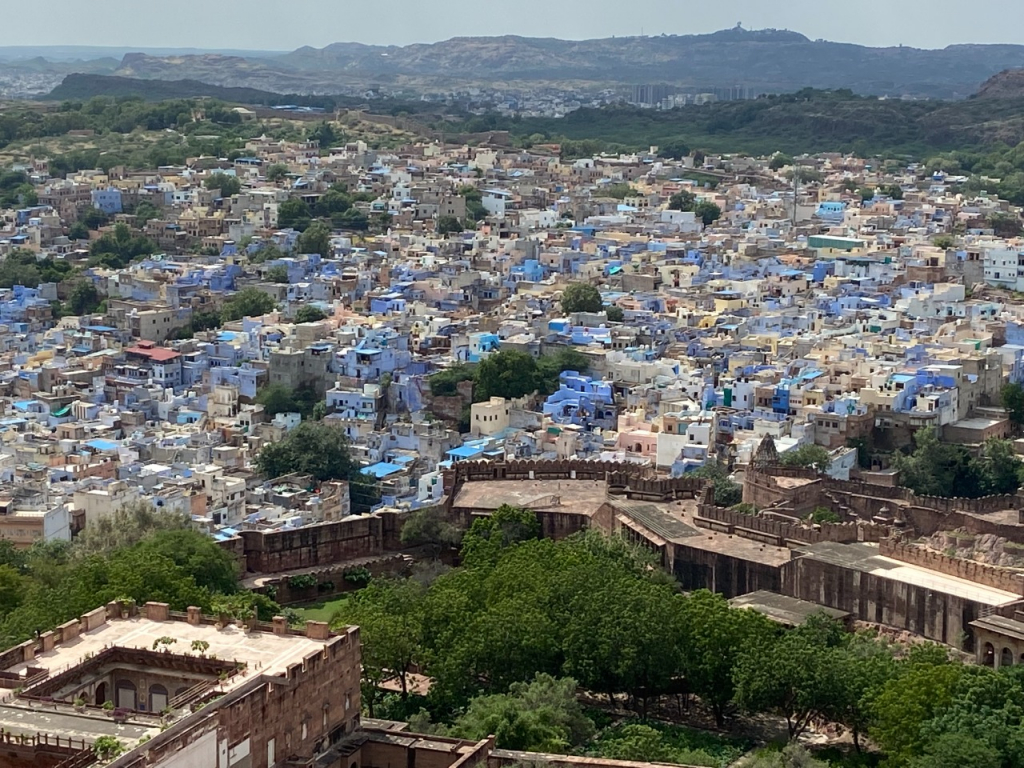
pixel 284 25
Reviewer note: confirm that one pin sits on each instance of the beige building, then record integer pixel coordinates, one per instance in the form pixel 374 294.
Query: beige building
pixel 489 418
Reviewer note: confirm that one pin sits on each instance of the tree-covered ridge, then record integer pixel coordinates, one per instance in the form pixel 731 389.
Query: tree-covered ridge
pixel 808 121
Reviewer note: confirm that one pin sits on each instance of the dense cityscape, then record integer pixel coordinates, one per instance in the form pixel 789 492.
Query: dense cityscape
pixel 486 424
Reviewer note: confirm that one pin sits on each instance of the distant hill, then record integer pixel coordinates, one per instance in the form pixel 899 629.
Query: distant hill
pixel 1008 84
pixel 803 122
pixel 768 61
pixel 772 61
pixel 86 86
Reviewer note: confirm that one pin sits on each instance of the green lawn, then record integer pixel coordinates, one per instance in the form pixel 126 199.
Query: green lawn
pixel 323 610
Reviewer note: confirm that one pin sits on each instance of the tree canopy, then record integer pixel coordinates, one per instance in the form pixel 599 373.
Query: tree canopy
pixel 935 468
pixel 228 184
pixel 248 302
pixel 581 297
pixel 807 455
pixel 308 313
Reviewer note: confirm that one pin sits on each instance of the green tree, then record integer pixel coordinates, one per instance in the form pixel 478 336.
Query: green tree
pixel 944 241
pixel 922 687
pixel 20 268
pixel 205 321
pixel 792 756
pixel 145 211
pixel 227 184
pixel 78 231
pixel 581 297
pixel 125 527
pixel 619 191
pixel 353 219
pixel 550 366
pixel 488 536
pixel 615 314
pixel 248 302
pixel 277 172
pixel 447 225
pixel 445 383
pixel 808 455
pixel 1005 225
pixel 780 161
pixel 276 274
pixel 541 716
pixel 474 205
pixel 1012 398
pixel 84 299
pixel 935 468
pixel 333 201
pixel 428 526
pixel 682 201
pixel 309 313
pixel 117 249
pixel 638 742
pixel 316 449
pixel 894 191
pixel 93 218
pixel 196 554
pixel 12 589
pixel 792 676
pixel 389 614
pixel 866 194
pixel 508 374
pixel 708 212
pixel 956 750
pixel 316 239
pixel 293 213
pixel 999 467
pixel 714 635
pixel 277 398
pixel 727 492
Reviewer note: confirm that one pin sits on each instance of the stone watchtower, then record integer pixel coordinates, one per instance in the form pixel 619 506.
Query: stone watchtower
pixel 766 455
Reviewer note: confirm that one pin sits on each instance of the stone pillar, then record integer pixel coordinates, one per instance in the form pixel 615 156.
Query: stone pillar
pixel 195 615
pixel 158 611
pixel 318 630
pixel 49 640
pixel 280 625
pixel 69 630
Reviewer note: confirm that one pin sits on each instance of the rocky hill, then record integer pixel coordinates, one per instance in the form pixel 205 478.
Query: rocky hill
pixel 1008 84
pixel 766 60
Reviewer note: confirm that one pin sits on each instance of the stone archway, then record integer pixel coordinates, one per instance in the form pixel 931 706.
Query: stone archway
pixel 988 657
pixel 1006 659
pixel 101 694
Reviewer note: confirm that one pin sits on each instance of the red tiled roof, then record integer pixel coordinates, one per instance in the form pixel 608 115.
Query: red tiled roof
pixel 156 354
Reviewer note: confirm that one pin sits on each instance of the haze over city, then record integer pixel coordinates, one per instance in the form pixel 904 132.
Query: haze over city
pixel 231 24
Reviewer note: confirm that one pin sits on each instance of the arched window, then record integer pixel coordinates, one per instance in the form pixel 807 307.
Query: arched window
pixel 157 698
pixel 101 694
pixel 989 659
pixel 1007 658
pixel 126 695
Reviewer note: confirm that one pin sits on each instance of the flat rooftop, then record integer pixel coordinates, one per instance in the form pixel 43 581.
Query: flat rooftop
pixel 1001 625
pixel 583 497
pixel 674 521
pixel 790 611
pixel 864 557
pixel 262 653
